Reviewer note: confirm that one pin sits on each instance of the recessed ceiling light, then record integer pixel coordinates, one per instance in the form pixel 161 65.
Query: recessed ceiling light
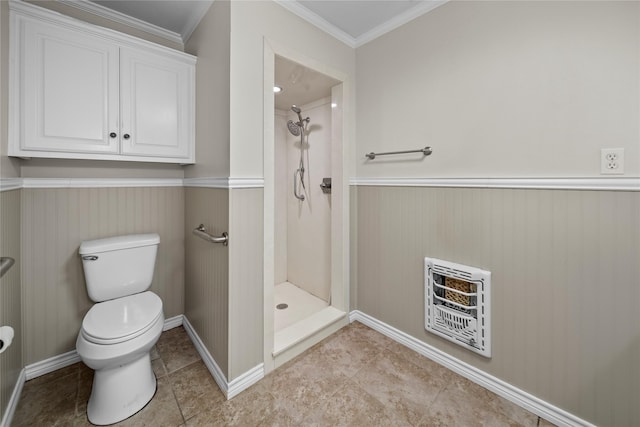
pixel 277 89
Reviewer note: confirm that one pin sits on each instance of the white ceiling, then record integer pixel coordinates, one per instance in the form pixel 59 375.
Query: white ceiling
pixel 356 22
pixel 300 85
pixel 357 17
pixel 353 22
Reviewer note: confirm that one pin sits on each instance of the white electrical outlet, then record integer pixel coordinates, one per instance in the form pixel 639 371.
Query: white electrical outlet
pixel 612 161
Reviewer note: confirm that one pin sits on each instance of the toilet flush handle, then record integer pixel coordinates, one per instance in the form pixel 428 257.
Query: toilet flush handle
pixel 89 258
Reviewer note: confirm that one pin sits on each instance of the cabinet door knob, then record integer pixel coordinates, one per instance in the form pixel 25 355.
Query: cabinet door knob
pixel 127 136
pixel 113 134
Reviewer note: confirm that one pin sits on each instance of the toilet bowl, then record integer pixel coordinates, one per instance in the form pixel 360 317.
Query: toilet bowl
pixel 123 382
pixel 120 330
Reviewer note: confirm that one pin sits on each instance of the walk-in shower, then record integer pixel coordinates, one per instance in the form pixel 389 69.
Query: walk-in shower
pixel 305 296
pixel 299 129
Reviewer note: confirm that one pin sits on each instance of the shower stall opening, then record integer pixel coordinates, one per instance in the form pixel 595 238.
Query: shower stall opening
pixel 303 215
pixel 303 147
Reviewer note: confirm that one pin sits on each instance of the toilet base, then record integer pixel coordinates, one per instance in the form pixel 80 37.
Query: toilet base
pixel 120 392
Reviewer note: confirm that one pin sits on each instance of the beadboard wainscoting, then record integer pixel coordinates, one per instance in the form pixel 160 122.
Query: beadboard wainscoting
pixel 246 283
pixel 206 300
pixel 10 309
pixel 224 284
pixel 565 275
pixel 54 223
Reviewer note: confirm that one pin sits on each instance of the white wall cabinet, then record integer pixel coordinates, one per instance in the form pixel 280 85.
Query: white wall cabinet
pixel 84 92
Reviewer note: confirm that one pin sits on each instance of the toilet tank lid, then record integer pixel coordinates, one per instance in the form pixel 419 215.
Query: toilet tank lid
pixel 118 243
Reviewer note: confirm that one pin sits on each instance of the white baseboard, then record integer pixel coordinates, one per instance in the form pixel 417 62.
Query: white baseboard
pixel 13 401
pixel 245 381
pixel 519 397
pixel 219 376
pixel 51 364
pixel 173 322
pixel 230 389
pixel 60 361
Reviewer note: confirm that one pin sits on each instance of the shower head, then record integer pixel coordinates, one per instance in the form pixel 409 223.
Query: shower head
pixel 294 128
pixel 297 110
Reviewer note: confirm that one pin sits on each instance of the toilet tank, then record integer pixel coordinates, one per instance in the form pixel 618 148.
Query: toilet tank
pixel 119 266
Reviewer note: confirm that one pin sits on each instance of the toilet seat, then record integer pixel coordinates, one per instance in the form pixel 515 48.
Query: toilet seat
pixel 121 319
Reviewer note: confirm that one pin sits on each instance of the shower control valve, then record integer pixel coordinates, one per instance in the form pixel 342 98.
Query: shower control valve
pixel 326 185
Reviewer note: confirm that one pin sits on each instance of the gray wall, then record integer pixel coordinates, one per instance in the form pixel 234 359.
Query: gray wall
pixel 207 271
pixel 207 274
pixel 210 42
pixel 510 90
pixel 9 167
pixel 56 221
pixel 246 283
pixel 10 301
pixel 564 284
pixel 10 308
pixel 503 89
pixel 224 284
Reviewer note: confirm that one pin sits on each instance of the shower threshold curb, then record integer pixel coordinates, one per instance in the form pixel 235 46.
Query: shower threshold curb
pixel 300 331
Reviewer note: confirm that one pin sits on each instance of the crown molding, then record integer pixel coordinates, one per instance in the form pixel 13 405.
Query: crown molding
pixel 113 15
pixel 188 29
pixel 318 21
pixel 420 9
pixel 600 184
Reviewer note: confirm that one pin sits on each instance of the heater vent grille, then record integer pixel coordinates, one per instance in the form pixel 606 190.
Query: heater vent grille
pixel 457 304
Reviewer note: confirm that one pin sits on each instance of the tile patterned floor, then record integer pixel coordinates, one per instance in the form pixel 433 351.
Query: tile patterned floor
pixel 357 377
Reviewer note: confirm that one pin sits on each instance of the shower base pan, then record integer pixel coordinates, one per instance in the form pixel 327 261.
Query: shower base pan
pixel 294 339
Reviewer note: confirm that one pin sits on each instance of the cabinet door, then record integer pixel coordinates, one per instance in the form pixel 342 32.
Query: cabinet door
pixel 70 91
pixel 156 95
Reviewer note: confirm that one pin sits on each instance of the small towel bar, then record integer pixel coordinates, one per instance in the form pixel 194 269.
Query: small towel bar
pixel 201 232
pixel 426 151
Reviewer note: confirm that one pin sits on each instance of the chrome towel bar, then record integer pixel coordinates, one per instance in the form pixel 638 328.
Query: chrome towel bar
pixel 201 232
pixel 426 151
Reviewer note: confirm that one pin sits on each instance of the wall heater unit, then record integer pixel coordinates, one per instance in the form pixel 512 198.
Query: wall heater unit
pixel 457 304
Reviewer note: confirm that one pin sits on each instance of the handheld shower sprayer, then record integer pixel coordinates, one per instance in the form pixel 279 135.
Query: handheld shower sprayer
pixel 298 129
pixel 298 111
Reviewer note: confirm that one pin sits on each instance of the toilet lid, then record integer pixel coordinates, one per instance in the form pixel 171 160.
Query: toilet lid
pixel 121 319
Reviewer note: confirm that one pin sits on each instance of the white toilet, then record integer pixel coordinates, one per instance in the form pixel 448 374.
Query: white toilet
pixel 119 331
